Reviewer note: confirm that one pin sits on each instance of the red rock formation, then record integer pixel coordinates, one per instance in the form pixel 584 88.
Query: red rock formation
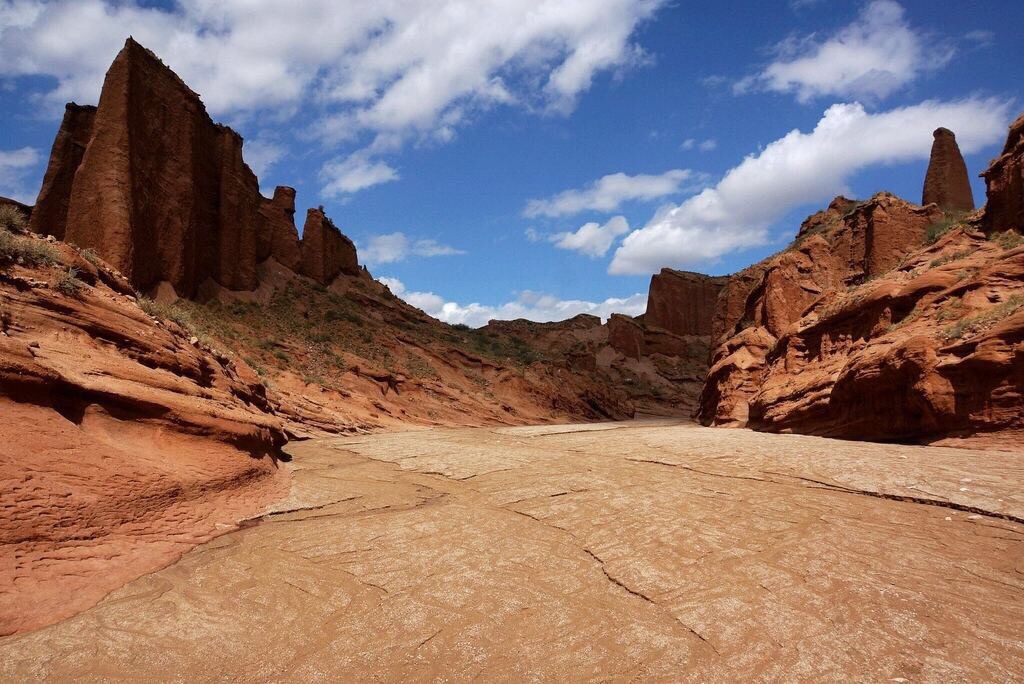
pixel 66 155
pixel 626 336
pixel 1005 182
pixel 946 183
pixel 845 245
pixel 125 442
pixel 682 302
pixel 856 334
pixel 326 253
pixel 152 184
pixel 277 235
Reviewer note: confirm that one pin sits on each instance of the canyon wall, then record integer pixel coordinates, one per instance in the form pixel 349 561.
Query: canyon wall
pixel 682 303
pixel 151 183
pixel 884 320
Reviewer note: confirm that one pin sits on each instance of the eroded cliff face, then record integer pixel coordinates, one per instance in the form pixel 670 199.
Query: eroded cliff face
pixel 682 303
pixel 876 325
pixel 1004 179
pixel 51 212
pixel 126 441
pixel 326 253
pixel 149 181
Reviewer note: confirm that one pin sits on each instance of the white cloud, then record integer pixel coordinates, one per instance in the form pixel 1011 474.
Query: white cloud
pixel 15 165
pixel 876 55
pixel 260 155
pixel 393 247
pixel 796 170
pixel 393 69
pixel 529 305
pixel 357 172
pixel 592 239
pixel 701 145
pixel 607 193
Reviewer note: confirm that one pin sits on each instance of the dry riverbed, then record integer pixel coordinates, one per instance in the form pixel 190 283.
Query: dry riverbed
pixel 618 551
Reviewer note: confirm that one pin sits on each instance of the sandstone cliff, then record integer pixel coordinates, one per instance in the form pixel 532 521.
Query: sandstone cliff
pixel 883 321
pixel 125 441
pixel 1005 182
pixel 682 303
pixel 152 184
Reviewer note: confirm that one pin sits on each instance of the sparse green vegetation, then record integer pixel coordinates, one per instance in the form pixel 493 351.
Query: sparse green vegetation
pixel 26 250
pixel 943 226
pixel 68 283
pixel 90 255
pixel 1009 239
pixel 11 219
pixel 956 256
pixel 984 320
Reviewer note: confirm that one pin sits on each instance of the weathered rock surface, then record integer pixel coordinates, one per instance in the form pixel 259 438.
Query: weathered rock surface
pixel 947 183
pixel 152 184
pixel 682 303
pixel 124 442
pixel 277 236
pixel 1004 180
pixel 326 253
pixel 846 244
pixel 585 552
pixel 51 214
pixel 862 331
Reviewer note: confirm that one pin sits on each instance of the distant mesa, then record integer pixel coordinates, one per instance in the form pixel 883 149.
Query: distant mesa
pixel 160 191
pixel 946 183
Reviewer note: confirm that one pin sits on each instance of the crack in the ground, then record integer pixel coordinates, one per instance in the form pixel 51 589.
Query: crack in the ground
pixel 829 486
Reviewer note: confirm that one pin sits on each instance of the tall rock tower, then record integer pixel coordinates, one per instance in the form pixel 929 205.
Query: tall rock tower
pixel 946 183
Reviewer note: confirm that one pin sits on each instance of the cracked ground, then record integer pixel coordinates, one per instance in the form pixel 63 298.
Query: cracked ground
pixel 651 551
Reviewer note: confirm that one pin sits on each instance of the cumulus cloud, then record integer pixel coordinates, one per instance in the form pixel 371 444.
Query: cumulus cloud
pixel 607 193
pixel 532 306
pixel 592 239
pixel 393 247
pixel 390 69
pixel 345 176
pixel 799 169
pixel 15 165
pixel 873 57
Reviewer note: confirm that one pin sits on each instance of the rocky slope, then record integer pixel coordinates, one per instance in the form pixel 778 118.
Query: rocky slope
pixel 884 321
pixel 124 440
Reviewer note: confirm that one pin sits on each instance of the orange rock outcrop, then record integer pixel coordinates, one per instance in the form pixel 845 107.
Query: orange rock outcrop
pixel 946 183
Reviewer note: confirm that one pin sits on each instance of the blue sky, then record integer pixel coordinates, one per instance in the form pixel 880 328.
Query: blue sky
pixel 542 158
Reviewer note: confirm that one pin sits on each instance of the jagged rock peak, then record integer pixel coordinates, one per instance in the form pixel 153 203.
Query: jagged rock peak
pixel 946 183
pixel 150 182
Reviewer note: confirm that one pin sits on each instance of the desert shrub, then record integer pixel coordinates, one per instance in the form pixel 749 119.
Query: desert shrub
pixel 1009 239
pixel 980 322
pixel 282 356
pixel 12 219
pixel 27 250
pixel 90 255
pixel 461 326
pixel 68 283
pixel 956 256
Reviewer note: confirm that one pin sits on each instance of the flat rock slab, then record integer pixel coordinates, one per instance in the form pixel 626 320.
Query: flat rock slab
pixel 650 551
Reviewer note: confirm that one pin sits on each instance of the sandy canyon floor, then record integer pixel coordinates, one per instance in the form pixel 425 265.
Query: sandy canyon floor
pixel 619 551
